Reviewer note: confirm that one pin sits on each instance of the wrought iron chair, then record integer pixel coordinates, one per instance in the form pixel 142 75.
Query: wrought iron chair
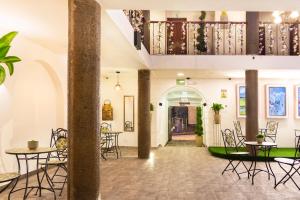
pixel 239 134
pixel 107 140
pixel 59 141
pixel 232 153
pixel 271 131
pixel 297 136
pixel 9 178
pixel 293 166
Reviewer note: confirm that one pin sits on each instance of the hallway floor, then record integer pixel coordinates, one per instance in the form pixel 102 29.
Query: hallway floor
pixel 180 173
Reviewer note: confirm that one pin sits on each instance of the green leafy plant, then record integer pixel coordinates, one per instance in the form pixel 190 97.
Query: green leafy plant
pixel 216 107
pixel 9 61
pixel 199 122
pixel 260 135
pixel 201 45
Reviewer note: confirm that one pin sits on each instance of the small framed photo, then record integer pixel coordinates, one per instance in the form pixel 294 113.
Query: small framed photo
pixel 276 101
pixel 241 101
pixel 297 101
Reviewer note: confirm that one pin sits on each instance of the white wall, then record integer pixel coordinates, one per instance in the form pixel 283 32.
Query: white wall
pixel 211 89
pixel 128 81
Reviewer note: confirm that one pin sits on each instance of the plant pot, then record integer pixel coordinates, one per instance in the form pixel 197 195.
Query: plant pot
pixel 199 141
pixel 217 118
pixel 32 145
pixel 259 140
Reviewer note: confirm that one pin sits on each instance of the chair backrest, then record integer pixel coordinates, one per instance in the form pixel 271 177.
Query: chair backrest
pixel 297 150
pixel 238 128
pixel 104 126
pixel 272 127
pixel 229 140
pixel 56 134
pixel 297 136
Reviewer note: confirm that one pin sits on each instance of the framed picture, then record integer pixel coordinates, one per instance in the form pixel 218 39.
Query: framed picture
pixel 297 101
pixel 276 97
pixel 241 101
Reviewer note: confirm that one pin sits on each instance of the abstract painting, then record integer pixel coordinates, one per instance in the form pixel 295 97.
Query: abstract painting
pixel 241 101
pixel 276 101
pixel 297 101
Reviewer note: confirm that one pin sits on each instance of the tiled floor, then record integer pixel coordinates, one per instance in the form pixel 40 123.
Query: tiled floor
pixel 185 173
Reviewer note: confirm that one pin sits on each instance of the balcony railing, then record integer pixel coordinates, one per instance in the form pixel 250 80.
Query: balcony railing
pixel 194 38
pixel 279 39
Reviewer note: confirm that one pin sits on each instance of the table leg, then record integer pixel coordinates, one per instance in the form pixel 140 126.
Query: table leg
pixel 266 160
pixel 253 150
pixel 269 164
pixel 115 146
pixel 38 177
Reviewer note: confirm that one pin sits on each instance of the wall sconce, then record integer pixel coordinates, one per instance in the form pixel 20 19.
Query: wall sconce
pixel 118 86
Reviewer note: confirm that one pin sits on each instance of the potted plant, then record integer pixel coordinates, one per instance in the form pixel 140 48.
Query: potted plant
pixel 260 138
pixel 216 107
pixel 201 44
pixel 199 127
pixel 33 144
pixel 4 59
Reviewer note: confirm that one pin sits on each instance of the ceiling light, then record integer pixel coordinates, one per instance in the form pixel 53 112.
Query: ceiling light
pixel 180 74
pixel 118 86
pixel 277 20
pixel 294 14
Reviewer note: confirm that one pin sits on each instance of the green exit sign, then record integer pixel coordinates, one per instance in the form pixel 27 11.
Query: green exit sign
pixel 180 81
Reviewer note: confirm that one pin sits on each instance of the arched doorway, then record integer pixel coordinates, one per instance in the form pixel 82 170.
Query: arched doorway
pixel 176 117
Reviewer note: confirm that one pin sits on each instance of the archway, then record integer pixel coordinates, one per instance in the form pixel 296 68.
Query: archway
pixel 169 124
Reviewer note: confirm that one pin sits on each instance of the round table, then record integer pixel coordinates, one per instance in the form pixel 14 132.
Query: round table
pixel 114 145
pixel 266 147
pixel 26 155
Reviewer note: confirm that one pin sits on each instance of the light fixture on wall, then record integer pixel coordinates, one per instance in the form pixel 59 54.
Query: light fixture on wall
pixel 118 86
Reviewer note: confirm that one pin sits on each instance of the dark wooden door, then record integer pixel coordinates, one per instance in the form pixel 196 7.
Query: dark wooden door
pixel 176 36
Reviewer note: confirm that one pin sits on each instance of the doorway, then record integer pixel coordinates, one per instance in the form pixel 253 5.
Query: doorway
pixel 182 122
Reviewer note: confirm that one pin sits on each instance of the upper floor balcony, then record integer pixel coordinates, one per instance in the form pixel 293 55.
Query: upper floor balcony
pixel 178 36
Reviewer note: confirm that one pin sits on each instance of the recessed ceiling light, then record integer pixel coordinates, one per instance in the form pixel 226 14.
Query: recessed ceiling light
pixel 180 74
pixel 277 20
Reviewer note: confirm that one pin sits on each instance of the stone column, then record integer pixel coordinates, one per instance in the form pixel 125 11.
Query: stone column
pixel 251 104
pixel 144 122
pixel 83 100
pixel 252 33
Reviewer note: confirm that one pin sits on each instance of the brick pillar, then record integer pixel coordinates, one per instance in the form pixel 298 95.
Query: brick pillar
pixel 83 100
pixel 251 104
pixel 144 122
pixel 252 33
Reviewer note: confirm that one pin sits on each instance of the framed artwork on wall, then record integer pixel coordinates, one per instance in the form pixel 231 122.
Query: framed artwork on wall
pixel 297 101
pixel 241 101
pixel 276 97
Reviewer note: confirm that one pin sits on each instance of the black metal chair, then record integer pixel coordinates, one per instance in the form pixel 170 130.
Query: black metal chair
pixel 58 159
pixel 9 178
pixel 107 139
pixel 292 166
pixel 239 134
pixel 297 136
pixel 271 131
pixel 232 153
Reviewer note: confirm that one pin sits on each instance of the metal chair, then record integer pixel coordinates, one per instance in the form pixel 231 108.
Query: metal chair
pixel 293 166
pixel 297 136
pixel 8 178
pixel 239 134
pixel 271 131
pixel 107 139
pixel 232 153
pixel 59 159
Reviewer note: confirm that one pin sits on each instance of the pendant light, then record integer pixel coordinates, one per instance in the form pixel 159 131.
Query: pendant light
pixel 118 86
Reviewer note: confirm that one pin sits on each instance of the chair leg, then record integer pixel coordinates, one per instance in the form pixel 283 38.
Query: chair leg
pixel 285 176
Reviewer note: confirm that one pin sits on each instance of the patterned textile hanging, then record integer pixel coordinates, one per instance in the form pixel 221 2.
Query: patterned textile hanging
pixel 107 111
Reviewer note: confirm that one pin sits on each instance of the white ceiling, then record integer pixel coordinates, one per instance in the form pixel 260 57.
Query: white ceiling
pixel 208 5
pixel 45 23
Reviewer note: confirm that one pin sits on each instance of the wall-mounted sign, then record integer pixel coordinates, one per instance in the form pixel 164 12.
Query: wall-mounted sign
pixel 180 81
pixel 223 93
